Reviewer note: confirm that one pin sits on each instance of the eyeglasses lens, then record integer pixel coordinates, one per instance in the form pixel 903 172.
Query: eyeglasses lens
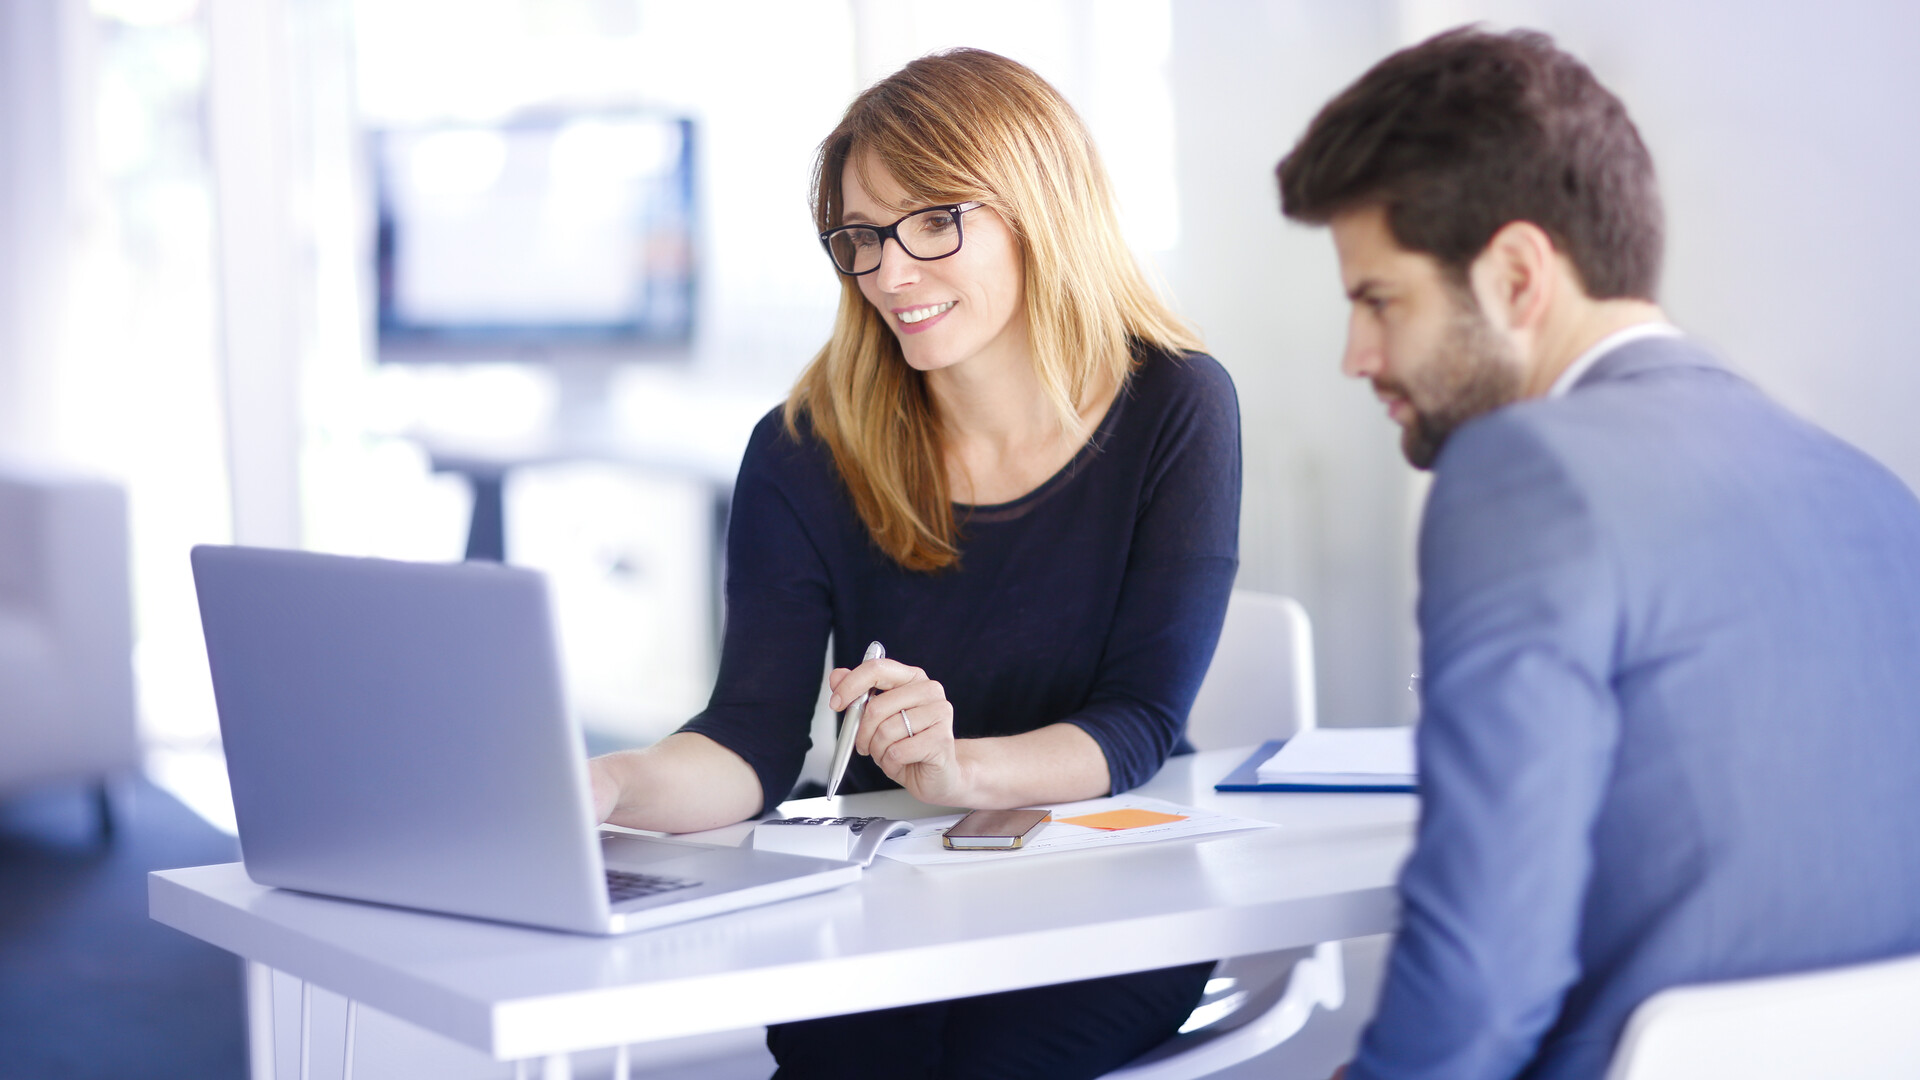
pixel 929 234
pixel 855 251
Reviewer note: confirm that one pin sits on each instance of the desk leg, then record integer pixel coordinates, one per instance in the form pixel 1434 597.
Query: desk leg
pixel 306 1028
pixel 622 1064
pixel 260 1062
pixel 487 529
pixel 346 1054
pixel 557 1067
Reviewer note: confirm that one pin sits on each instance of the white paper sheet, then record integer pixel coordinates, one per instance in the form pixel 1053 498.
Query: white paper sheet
pixel 922 846
pixel 1330 755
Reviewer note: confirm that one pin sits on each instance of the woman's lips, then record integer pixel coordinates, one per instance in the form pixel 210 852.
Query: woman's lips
pixel 923 315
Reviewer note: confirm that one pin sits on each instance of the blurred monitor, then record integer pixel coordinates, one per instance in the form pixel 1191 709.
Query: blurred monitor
pixel 540 237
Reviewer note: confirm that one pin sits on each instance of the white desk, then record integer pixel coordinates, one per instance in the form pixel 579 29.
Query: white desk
pixel 900 936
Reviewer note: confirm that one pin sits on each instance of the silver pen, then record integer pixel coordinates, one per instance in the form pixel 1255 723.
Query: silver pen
pixel 850 725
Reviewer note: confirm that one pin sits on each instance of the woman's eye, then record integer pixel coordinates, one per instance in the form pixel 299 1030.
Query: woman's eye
pixel 939 221
pixel 861 239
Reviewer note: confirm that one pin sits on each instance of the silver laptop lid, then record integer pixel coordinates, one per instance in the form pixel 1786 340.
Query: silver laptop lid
pixel 397 732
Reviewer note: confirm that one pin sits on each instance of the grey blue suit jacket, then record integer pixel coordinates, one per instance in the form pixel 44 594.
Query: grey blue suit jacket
pixel 1670 647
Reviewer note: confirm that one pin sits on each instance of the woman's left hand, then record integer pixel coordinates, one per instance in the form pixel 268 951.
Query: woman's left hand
pixel 907 729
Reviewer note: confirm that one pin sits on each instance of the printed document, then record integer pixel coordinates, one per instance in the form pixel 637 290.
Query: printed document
pixel 1116 820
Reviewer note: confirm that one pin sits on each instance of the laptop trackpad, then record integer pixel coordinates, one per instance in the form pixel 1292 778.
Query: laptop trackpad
pixel 636 851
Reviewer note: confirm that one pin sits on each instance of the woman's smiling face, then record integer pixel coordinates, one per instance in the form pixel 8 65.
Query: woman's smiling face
pixel 944 311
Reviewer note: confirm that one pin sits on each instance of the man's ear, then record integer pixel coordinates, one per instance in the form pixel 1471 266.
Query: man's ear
pixel 1514 277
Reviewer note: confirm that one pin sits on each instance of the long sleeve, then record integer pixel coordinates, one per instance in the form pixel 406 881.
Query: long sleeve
pixel 1519 619
pixel 779 608
pixel 1173 594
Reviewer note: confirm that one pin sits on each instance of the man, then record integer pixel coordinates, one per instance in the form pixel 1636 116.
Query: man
pixel 1670 727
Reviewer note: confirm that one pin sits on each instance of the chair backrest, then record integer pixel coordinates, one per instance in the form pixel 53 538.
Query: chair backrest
pixel 1836 1024
pixel 1260 685
pixel 66 628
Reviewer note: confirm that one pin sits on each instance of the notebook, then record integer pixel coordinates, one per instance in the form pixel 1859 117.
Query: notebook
pixel 397 733
pixel 1332 760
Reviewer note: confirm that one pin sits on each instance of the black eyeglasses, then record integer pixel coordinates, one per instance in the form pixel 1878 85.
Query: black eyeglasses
pixel 933 233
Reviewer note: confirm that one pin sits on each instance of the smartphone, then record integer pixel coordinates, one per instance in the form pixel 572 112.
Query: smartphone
pixel 989 830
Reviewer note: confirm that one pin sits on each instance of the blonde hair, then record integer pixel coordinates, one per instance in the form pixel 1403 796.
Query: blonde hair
pixel 967 125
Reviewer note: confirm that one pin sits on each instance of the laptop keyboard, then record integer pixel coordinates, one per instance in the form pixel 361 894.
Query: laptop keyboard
pixel 625 885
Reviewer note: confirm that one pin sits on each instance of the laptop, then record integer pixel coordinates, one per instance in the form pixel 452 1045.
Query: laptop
pixel 397 733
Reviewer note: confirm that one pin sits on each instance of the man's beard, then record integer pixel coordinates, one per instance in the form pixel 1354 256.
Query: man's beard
pixel 1474 371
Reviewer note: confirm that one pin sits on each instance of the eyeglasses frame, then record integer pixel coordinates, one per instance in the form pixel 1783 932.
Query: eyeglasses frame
pixel 892 232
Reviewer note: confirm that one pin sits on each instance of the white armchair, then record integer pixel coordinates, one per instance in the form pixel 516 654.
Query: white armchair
pixel 1259 686
pixel 1845 1023
pixel 66 633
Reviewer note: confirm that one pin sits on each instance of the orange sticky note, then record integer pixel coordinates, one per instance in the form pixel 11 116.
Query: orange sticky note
pixel 1122 819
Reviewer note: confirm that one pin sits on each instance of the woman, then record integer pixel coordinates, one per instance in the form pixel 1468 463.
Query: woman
pixel 1009 467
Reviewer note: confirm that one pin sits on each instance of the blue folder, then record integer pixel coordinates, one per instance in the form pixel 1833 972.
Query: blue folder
pixel 1247 777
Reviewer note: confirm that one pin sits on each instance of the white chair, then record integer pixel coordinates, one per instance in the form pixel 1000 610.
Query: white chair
pixel 1836 1024
pixel 66 634
pixel 1259 687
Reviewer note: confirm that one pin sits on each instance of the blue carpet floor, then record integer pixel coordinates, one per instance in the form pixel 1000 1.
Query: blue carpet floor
pixel 89 986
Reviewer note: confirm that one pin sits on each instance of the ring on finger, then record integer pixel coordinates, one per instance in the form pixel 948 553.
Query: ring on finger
pixel 904 719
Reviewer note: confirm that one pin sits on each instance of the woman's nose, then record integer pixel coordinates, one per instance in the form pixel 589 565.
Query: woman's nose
pixel 897 268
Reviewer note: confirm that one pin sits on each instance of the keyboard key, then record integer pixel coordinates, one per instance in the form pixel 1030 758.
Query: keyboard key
pixel 627 885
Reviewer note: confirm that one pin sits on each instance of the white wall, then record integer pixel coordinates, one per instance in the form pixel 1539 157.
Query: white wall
pixel 1788 149
pixel 1783 131
pixel 250 131
pixel 1789 152
pixel 38 159
pixel 1326 507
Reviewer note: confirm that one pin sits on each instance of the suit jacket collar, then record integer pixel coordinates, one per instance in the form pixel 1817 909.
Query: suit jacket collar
pixel 1648 355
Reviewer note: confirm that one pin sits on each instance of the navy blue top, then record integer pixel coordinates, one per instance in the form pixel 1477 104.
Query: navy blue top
pixel 1096 598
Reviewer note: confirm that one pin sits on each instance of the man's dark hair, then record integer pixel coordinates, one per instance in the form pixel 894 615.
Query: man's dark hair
pixel 1467 131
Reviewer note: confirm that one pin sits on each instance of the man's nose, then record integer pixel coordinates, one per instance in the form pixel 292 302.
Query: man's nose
pixel 1362 357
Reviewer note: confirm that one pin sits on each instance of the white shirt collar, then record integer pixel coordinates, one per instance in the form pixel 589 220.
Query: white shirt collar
pixel 1606 345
